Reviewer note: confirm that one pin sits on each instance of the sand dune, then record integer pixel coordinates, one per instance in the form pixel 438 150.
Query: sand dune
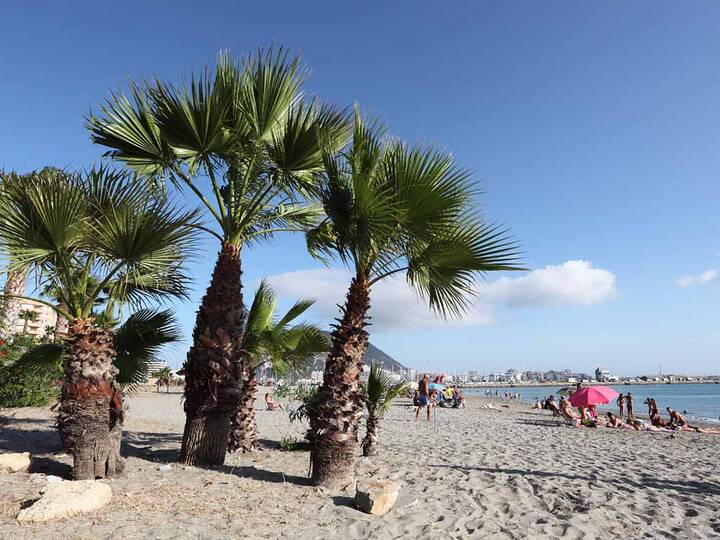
pixel 473 473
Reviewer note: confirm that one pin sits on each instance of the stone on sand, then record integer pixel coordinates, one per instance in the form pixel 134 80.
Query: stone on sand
pixel 12 462
pixel 376 496
pixel 64 499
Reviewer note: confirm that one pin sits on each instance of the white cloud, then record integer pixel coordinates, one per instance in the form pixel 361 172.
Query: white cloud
pixel 700 279
pixel 394 306
pixel 572 282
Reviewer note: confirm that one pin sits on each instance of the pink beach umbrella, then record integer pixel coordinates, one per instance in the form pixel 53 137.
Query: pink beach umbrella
pixel 592 395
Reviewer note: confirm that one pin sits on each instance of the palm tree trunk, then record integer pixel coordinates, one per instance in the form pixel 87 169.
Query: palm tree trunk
pixel 369 444
pixel 212 365
pixel 242 425
pixel 335 422
pixel 15 285
pixel 90 415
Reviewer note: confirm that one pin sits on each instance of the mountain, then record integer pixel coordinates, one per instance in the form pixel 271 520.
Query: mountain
pixel 373 354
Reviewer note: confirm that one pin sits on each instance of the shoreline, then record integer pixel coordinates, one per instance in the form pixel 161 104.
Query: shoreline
pixel 561 384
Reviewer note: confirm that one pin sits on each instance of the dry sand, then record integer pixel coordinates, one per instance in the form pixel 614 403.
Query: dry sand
pixel 474 473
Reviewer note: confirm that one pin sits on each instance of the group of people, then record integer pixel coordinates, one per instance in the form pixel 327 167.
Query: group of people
pixel 588 416
pixel 442 395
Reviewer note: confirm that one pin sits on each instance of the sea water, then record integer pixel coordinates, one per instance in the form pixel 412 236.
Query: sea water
pixel 697 401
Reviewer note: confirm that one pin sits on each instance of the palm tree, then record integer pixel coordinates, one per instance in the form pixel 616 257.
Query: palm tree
pixel 15 285
pixel 379 395
pixel 27 316
pixel 163 376
pixel 67 229
pixel 272 340
pixel 10 306
pixel 246 143
pixel 16 279
pixel 391 209
pixel 137 343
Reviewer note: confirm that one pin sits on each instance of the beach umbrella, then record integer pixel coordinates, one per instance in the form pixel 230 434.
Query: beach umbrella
pixel 592 395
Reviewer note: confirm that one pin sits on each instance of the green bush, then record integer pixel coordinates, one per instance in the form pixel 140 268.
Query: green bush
pixel 28 389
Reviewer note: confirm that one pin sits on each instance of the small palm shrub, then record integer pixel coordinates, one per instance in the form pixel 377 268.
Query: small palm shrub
pixel 21 389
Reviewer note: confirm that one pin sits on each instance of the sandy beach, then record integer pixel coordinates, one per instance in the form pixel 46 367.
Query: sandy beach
pixel 512 473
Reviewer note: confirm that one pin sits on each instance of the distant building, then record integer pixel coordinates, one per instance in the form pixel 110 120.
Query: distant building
pixel 154 367
pixel 602 375
pixel 45 316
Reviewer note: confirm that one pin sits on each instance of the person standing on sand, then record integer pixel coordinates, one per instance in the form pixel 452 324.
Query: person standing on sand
pixel 621 404
pixel 629 403
pixel 424 396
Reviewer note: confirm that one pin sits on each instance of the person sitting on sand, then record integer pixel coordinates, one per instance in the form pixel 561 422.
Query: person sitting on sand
pixel 588 419
pixel 677 420
pixel 614 421
pixel 424 396
pixel 271 405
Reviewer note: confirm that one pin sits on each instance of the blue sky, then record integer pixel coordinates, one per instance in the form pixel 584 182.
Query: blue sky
pixel 593 128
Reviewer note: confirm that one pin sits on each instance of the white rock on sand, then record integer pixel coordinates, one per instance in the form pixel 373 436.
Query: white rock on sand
pixel 65 499
pixel 376 496
pixel 14 462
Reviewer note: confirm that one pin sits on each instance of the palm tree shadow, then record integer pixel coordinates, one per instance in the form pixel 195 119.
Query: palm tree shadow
pixel 155 447
pixel 263 475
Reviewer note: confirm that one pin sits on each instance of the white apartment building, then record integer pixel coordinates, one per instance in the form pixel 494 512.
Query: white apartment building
pixel 45 317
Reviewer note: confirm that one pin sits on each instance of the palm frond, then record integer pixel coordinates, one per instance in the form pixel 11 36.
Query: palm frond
pixel 380 390
pixel 127 125
pixel 138 342
pixel 43 358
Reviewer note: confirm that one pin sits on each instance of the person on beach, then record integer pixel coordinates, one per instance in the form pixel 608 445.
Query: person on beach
pixel 568 414
pixel 621 405
pixel 629 403
pixel 271 405
pixel 676 419
pixel 652 407
pixel 677 422
pixel 416 399
pixel 614 421
pixel 458 397
pixel 424 396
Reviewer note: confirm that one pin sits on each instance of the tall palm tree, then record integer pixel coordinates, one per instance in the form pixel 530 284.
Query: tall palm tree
pixel 391 210
pixel 246 143
pixel 27 316
pixel 273 340
pixel 102 225
pixel 380 392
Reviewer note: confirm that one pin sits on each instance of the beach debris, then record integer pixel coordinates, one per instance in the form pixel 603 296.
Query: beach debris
pixel 166 467
pixel 13 462
pixel 65 499
pixel 376 496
